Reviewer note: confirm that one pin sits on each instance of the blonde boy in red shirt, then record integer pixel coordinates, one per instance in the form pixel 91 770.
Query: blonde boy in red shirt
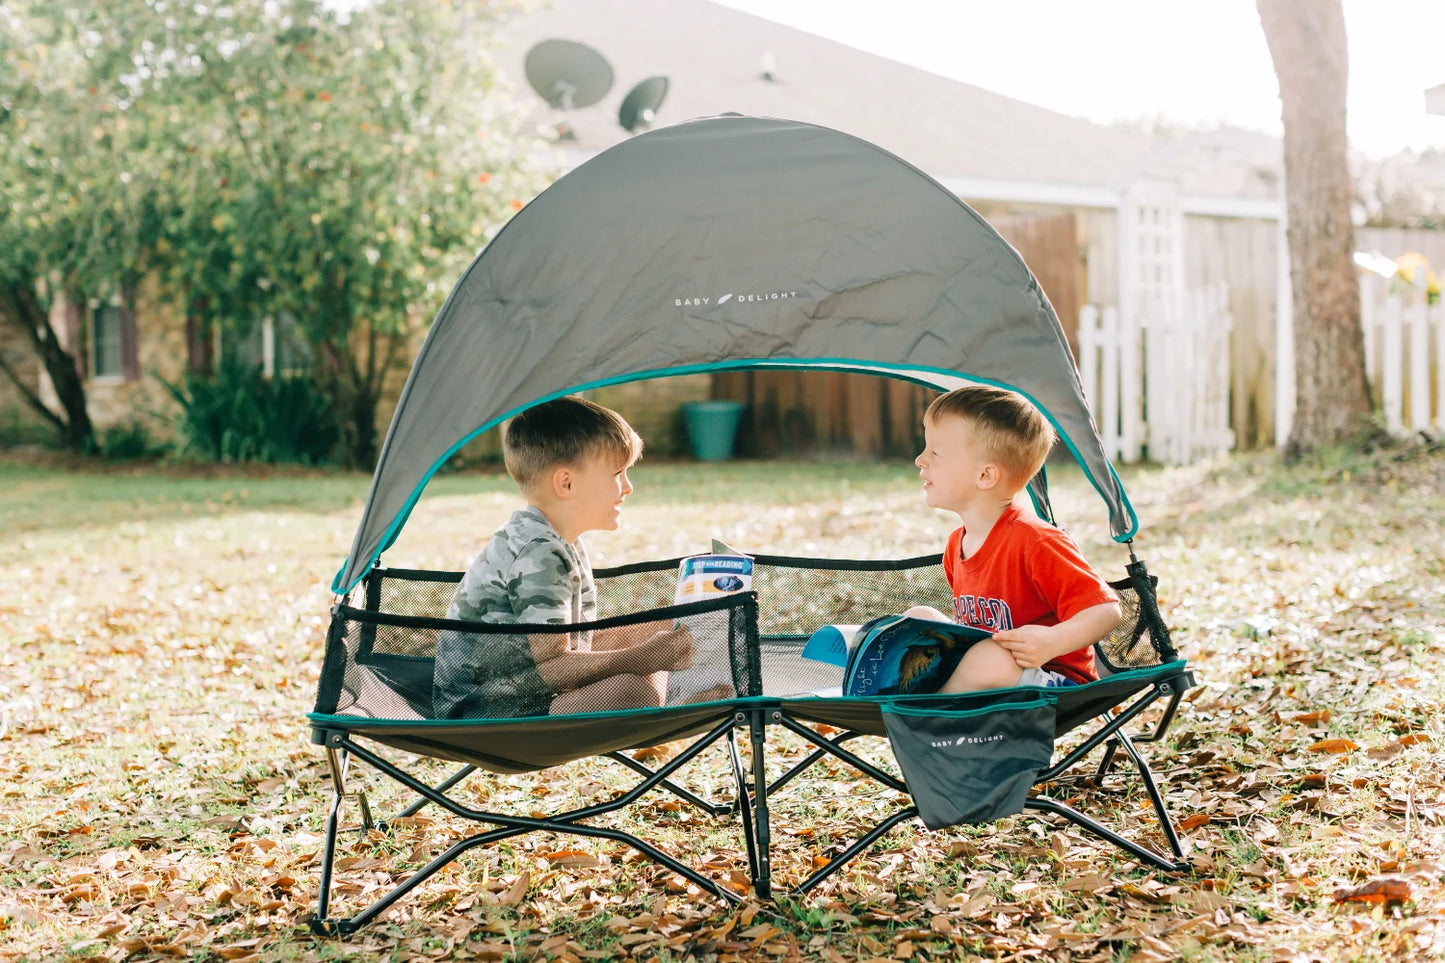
pixel 1010 573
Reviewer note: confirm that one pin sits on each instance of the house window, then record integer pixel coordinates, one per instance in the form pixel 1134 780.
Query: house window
pixel 290 351
pixel 277 346
pixel 107 342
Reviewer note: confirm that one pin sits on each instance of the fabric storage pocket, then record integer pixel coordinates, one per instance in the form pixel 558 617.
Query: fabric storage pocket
pixel 971 765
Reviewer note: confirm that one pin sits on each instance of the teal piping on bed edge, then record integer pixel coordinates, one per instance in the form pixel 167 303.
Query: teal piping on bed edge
pixel 910 709
pixel 824 364
pixel 353 722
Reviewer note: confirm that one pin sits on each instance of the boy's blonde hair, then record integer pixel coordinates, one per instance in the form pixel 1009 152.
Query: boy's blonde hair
pixel 564 432
pixel 1007 429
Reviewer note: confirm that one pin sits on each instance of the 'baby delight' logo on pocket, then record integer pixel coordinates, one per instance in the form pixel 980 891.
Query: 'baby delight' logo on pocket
pixel 967 741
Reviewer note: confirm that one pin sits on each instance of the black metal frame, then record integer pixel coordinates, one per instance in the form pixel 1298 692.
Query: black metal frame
pixel 751 803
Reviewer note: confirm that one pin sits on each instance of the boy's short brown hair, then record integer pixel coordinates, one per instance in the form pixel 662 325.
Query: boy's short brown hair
pixel 563 432
pixel 1007 428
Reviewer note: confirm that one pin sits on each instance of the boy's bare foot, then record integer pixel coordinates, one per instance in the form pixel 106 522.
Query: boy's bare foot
pixel 715 694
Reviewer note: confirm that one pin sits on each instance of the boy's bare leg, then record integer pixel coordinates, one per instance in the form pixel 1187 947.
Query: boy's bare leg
pixel 623 636
pixel 927 612
pixel 986 665
pixel 658 681
pixel 615 692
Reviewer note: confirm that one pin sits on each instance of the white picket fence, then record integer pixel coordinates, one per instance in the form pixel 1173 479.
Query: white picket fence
pixel 1158 382
pixel 1404 354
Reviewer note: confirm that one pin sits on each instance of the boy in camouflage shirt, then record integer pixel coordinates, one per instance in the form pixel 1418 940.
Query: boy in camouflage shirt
pixel 570 458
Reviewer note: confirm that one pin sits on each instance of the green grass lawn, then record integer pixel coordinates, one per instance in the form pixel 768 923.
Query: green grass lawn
pixel 161 630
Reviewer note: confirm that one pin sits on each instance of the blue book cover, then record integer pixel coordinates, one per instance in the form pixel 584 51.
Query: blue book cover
pixel 893 654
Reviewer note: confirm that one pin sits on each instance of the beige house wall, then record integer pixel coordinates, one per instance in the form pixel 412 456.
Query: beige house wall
pixel 117 401
pixel 18 421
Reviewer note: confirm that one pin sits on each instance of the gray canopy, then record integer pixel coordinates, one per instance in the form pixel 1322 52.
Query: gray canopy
pixel 723 243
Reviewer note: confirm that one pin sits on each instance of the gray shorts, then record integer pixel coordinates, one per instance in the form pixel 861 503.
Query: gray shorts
pixel 481 675
pixel 1045 678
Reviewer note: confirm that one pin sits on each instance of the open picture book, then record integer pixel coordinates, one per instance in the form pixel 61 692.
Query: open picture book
pixel 722 571
pixel 892 654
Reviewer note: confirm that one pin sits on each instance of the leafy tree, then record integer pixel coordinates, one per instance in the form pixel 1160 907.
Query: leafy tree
pixel 267 157
pixel 339 170
pixel 74 215
pixel 1332 399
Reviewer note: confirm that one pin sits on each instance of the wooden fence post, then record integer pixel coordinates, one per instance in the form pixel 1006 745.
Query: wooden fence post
pixel 1419 357
pixel 1437 316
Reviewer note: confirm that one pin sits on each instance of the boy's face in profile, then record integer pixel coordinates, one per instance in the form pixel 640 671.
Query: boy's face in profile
pixel 954 472
pixel 599 485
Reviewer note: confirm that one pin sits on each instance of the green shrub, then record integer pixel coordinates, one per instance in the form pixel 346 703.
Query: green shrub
pixel 121 442
pixel 19 428
pixel 238 415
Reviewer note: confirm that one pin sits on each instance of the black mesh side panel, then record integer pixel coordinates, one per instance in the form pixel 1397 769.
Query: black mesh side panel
pixel 413 667
pixel 797 595
pixel 409 592
pixel 636 588
pixel 1141 639
pixel 333 666
pixel 383 664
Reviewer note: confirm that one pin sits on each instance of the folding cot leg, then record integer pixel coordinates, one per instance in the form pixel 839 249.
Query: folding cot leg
pixel 711 808
pixel 1118 739
pixel 1166 822
pixel 834 748
pixel 863 842
pixel 339 747
pixel 1110 749
pixel 745 802
pixel 328 856
pixel 336 760
pixel 763 870
pixel 442 786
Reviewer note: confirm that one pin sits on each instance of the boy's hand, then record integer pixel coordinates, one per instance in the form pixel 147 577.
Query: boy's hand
pixel 673 648
pixel 1030 645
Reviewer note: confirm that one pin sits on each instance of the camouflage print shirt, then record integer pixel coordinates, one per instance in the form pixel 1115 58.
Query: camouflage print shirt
pixel 527 573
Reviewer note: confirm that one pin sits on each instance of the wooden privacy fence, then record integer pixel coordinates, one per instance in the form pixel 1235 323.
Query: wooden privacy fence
pixel 1404 354
pixel 1158 381
pixel 825 413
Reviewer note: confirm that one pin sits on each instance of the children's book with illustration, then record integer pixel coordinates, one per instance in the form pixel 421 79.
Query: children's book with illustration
pixel 892 654
pixel 721 572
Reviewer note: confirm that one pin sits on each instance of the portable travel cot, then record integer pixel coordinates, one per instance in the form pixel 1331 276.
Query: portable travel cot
pixel 722 244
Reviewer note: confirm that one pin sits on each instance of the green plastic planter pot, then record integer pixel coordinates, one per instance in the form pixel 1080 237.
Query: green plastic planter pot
pixel 712 427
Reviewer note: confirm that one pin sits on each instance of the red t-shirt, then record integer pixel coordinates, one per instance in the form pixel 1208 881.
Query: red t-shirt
pixel 1027 572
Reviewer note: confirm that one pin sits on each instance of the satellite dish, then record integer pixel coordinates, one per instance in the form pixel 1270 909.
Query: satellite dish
pixel 567 74
pixel 640 105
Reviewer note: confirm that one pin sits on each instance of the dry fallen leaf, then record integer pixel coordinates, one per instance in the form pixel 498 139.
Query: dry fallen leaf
pixel 516 891
pixel 1388 890
pixel 571 857
pixel 1335 746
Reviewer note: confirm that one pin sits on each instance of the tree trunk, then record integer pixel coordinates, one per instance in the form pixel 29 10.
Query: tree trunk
pixel 20 307
pixel 1332 400
pixel 354 402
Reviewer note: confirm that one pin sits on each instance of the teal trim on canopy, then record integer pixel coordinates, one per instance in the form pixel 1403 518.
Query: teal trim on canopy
pixel 898 372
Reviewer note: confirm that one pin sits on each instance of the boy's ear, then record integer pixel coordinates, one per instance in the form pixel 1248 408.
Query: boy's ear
pixel 560 482
pixel 989 476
